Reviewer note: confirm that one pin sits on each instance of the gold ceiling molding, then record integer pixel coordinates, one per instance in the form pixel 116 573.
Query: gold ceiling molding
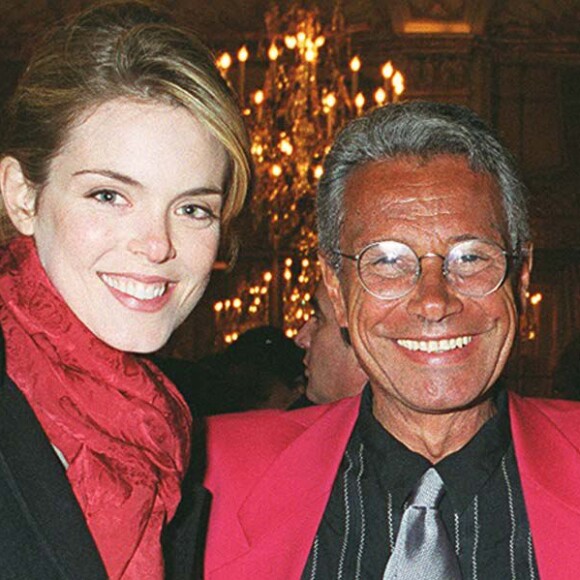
pixel 437 17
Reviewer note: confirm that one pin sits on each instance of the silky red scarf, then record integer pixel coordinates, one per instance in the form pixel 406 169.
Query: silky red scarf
pixel 121 425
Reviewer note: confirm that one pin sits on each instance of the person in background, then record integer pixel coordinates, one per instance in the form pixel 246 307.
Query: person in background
pixel 566 378
pixel 332 370
pixel 123 162
pixel 434 471
pixel 265 367
pixel 262 369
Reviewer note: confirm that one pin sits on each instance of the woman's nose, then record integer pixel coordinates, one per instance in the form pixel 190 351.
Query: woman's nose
pixel 153 241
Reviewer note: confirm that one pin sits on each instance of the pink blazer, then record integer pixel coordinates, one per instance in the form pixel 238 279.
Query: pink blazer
pixel 271 473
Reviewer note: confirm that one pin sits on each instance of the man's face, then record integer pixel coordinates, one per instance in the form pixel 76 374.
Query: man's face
pixel 331 366
pixel 429 206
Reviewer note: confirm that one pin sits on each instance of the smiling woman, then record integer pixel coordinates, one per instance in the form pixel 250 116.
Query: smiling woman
pixel 124 162
pixel 128 228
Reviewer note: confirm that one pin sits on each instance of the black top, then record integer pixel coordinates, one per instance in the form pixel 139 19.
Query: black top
pixel 483 508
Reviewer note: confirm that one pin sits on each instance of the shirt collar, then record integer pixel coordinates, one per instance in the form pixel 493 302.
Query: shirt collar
pixel 464 472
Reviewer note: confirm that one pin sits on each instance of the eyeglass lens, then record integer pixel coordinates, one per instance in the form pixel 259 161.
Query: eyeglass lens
pixel 390 269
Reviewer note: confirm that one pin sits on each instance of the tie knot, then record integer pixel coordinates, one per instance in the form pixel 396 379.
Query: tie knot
pixel 428 491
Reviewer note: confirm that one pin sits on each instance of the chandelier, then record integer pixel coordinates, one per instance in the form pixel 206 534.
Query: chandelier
pixel 309 89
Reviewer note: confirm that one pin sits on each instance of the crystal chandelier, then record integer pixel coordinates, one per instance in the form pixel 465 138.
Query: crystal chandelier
pixel 310 89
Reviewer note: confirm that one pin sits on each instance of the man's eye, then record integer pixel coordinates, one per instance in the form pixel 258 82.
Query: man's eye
pixel 390 265
pixel 471 258
pixel 108 196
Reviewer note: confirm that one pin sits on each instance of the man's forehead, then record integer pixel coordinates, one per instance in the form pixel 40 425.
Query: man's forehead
pixel 395 192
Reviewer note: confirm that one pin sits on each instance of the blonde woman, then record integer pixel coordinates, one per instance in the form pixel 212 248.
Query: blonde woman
pixel 124 161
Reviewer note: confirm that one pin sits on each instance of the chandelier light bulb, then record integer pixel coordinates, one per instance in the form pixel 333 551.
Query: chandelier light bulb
pixel 380 96
pixel 329 100
pixel 243 54
pixel 224 62
pixel 273 52
pixel 259 97
pixel 355 64
pixel 398 81
pixel 387 70
pixel 286 146
pixel 290 42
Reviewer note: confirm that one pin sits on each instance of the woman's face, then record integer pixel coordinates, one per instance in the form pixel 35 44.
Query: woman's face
pixel 128 225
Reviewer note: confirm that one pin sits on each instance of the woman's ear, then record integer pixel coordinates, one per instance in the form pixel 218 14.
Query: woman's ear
pixel 18 194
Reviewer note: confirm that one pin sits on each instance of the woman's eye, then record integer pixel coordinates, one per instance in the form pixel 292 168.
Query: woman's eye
pixel 197 212
pixel 108 196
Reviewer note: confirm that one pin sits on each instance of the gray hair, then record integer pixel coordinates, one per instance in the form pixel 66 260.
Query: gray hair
pixel 420 129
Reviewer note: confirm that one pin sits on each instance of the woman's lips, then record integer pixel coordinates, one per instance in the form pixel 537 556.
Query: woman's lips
pixel 143 293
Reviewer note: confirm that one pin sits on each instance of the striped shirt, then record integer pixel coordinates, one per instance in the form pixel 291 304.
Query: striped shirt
pixel 483 508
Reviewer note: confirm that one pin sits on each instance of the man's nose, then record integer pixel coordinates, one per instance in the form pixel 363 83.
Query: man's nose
pixel 152 239
pixel 304 336
pixel 432 299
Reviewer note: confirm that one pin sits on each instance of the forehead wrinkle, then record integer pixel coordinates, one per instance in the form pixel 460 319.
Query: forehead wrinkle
pixel 398 209
pixel 397 195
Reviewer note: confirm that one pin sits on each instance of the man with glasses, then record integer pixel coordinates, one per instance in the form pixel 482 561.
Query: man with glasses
pixel 435 471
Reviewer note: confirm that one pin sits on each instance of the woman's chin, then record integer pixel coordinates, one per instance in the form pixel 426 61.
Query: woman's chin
pixel 141 344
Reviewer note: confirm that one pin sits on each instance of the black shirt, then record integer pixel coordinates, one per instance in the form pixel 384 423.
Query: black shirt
pixel 483 507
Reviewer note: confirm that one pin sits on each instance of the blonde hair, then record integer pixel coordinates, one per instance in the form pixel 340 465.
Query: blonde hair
pixel 121 50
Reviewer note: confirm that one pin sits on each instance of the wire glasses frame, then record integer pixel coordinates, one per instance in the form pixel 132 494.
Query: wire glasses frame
pixel 389 269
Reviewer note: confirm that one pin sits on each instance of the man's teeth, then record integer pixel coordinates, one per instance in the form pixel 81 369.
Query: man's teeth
pixel 138 290
pixel 436 345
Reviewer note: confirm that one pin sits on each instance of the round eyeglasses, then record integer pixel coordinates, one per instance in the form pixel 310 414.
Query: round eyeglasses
pixel 390 269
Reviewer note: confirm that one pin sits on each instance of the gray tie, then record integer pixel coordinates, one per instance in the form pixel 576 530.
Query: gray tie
pixel 423 550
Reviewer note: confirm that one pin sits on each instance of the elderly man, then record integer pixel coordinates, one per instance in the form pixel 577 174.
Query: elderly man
pixel 435 471
pixel 332 369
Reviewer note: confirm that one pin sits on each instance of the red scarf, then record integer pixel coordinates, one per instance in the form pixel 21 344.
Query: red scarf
pixel 121 425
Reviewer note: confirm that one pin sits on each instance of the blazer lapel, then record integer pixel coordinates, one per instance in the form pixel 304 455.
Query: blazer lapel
pixel 281 514
pixel 546 438
pixel 39 486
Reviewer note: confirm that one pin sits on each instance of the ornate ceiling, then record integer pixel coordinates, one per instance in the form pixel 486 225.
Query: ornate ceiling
pixel 226 22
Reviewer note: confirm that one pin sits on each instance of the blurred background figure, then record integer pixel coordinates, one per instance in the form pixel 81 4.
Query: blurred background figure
pixel 567 372
pixel 263 369
pixel 332 369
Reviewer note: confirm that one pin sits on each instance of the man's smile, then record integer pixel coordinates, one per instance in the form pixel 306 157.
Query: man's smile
pixel 436 346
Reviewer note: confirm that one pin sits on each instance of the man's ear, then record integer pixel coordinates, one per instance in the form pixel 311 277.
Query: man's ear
pixel 524 278
pixel 332 283
pixel 18 194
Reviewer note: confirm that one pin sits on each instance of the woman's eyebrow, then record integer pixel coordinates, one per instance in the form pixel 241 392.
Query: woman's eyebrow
pixel 111 174
pixel 202 190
